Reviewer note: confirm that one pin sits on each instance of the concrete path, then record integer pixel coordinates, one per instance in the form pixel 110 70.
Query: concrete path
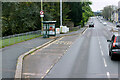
pixel 10 55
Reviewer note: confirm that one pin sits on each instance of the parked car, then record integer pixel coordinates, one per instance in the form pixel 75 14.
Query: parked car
pixel 114 46
pixel 91 24
pixel 118 25
pixel 100 21
pixel 104 23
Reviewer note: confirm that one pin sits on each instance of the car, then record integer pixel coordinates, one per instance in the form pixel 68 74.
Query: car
pixel 104 23
pixel 114 46
pixel 91 24
pixel 100 21
pixel 118 25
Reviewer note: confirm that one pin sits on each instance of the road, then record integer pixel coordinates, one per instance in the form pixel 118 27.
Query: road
pixel 37 64
pixel 88 56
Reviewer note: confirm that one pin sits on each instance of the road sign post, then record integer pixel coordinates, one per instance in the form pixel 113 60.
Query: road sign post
pixel 42 15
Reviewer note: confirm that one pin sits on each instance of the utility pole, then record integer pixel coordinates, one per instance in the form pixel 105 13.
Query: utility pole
pixel 60 12
pixel 82 13
pixel 42 17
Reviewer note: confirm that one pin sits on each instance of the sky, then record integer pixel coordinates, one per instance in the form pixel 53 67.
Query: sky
pixel 100 4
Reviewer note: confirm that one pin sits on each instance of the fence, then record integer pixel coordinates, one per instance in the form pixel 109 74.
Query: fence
pixel 12 39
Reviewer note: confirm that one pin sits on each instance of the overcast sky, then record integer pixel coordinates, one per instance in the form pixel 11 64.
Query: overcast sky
pixel 100 4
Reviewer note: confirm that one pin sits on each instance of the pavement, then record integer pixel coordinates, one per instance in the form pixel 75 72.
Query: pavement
pixel 10 55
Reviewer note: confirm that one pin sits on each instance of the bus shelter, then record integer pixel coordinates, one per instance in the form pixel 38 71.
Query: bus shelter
pixel 49 28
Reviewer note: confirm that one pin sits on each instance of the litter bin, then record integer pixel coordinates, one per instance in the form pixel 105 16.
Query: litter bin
pixel 49 28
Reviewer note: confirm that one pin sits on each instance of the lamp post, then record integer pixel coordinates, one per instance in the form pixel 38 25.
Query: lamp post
pixel 60 12
pixel 82 13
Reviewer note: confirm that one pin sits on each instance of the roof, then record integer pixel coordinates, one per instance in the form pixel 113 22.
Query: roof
pixel 48 22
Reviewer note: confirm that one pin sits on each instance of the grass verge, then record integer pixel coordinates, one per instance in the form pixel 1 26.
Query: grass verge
pixel 15 40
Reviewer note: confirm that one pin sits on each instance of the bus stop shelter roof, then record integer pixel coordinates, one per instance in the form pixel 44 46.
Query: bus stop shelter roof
pixel 48 22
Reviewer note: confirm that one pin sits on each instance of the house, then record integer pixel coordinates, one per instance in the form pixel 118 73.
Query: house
pixel 114 16
pixel 119 11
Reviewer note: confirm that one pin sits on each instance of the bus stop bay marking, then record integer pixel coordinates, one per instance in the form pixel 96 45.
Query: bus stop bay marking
pixel 64 42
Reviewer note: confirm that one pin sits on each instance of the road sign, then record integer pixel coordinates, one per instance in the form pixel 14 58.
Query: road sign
pixel 41 12
pixel 41 15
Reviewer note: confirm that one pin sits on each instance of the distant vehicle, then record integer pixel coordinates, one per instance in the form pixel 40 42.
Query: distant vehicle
pixel 104 23
pixel 118 25
pixel 91 24
pixel 114 46
pixel 101 18
pixel 100 21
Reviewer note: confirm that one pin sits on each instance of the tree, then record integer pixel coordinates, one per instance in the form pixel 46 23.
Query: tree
pixel 86 12
pixel 76 12
pixel 20 17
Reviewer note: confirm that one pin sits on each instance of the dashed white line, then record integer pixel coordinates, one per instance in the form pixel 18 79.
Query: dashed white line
pixel 108 53
pixel 100 48
pixel 102 53
pixel 99 42
pixel 105 62
pixel 108 74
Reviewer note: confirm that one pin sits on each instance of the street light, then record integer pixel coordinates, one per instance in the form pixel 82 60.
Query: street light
pixel 60 12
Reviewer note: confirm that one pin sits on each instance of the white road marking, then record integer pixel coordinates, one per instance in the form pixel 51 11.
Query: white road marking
pixel 99 42
pixel 85 31
pixel 47 71
pixel 64 42
pixel 100 47
pixel 27 76
pixel 108 52
pixel 108 74
pixel 105 64
pixel 47 45
pixel 102 53
pixel 30 74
